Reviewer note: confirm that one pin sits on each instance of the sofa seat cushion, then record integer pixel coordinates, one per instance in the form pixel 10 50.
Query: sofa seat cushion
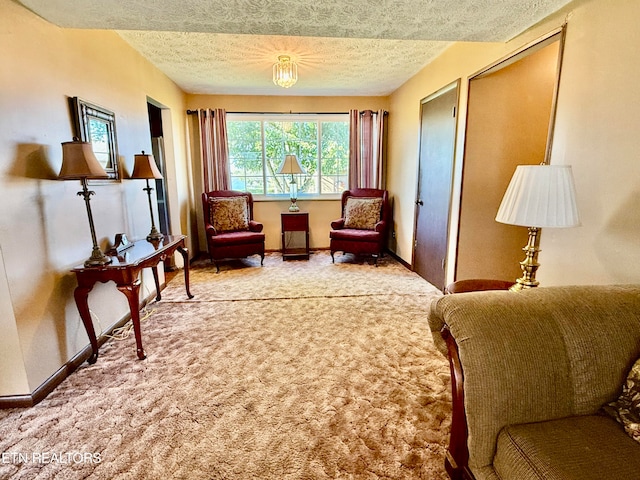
pixel 236 238
pixel 355 234
pixel 581 448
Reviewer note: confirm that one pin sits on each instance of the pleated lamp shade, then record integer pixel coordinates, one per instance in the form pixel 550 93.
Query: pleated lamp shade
pixel 540 196
pixel 79 161
pixel 144 166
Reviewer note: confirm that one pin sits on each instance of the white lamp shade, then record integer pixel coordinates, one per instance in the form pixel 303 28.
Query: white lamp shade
pixel 290 165
pixel 540 196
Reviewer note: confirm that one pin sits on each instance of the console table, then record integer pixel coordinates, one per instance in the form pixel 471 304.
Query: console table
pixel 295 222
pixel 124 270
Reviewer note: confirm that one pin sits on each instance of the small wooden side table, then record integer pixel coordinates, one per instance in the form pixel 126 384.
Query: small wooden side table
pixel 294 222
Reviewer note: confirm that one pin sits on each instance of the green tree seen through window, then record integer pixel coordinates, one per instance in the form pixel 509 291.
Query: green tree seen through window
pixel 258 145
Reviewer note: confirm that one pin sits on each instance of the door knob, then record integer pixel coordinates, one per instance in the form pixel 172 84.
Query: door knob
pixel 419 202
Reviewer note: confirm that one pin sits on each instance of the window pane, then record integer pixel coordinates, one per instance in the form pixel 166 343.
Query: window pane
pixel 258 147
pixel 245 156
pixel 335 148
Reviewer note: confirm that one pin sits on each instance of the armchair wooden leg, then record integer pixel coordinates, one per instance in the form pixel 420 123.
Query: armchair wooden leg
pixel 333 260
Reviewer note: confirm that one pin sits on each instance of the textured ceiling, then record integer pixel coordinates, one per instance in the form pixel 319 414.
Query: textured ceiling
pixel 342 47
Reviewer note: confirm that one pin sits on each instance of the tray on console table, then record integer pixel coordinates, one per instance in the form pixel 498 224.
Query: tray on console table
pixel 124 270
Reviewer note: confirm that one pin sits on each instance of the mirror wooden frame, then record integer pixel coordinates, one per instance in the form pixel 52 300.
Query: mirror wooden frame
pixel 97 125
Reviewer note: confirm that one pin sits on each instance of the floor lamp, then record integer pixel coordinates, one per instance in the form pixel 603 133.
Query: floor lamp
pixel 80 163
pixel 538 196
pixel 145 167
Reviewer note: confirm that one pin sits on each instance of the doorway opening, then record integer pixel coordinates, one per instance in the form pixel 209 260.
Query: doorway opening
pixel 157 147
pixel 510 119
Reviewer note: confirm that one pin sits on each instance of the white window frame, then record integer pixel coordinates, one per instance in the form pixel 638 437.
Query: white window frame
pixel 297 117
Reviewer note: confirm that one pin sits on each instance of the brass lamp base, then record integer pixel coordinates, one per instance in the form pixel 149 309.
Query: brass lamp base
pixel 97 259
pixel 154 235
pixel 530 263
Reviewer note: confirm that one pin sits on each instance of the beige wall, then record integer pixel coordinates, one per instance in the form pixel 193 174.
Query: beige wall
pixel 597 133
pixel 598 116
pixel 44 230
pixel 321 212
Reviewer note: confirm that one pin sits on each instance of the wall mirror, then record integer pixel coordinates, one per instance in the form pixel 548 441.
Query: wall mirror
pixel 97 125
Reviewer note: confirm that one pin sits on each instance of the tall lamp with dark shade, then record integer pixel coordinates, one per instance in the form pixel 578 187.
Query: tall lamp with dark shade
pixel 538 196
pixel 144 167
pixel 291 165
pixel 80 163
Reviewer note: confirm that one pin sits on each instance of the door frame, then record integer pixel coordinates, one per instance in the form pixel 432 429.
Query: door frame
pixel 453 85
pixel 556 35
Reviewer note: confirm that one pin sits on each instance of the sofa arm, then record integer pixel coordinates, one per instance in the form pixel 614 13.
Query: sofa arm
pixel 210 231
pixel 255 226
pixel 537 355
pixel 337 224
pixel 457 456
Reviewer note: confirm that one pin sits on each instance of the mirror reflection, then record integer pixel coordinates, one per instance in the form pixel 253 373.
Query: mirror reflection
pixel 97 125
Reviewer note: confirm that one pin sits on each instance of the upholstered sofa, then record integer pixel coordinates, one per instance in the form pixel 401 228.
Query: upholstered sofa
pixel 537 379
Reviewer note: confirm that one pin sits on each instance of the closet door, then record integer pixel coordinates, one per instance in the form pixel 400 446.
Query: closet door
pixel 437 145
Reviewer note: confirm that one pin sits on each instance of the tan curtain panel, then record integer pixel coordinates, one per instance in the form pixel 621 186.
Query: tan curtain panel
pixel 367 144
pixel 215 151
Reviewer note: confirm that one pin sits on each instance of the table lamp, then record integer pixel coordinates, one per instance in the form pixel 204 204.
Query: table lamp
pixel 80 163
pixel 538 196
pixel 291 165
pixel 145 167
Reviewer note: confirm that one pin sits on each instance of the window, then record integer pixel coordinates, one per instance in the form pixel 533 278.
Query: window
pixel 258 144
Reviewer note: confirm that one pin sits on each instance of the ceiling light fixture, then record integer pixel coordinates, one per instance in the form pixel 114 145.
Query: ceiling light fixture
pixel 285 71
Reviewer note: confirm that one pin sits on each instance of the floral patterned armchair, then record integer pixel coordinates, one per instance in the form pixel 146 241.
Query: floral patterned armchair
pixel 362 230
pixel 230 229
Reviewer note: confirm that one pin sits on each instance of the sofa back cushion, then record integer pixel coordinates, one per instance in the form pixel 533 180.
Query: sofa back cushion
pixel 540 354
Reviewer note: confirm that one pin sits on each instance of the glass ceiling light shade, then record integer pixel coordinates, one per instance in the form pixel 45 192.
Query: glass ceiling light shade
pixel 285 72
pixel 291 165
pixel 538 196
pixel 145 167
pixel 80 163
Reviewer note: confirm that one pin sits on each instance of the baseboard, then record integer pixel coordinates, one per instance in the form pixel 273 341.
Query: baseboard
pixel 49 385
pixel 397 258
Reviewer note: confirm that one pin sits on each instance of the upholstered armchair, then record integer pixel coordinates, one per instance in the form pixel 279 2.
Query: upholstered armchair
pixel 229 226
pixel 362 230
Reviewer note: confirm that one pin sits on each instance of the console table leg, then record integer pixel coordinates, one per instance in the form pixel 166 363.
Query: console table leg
pixel 155 278
pixel 81 295
pixel 131 292
pixel 185 256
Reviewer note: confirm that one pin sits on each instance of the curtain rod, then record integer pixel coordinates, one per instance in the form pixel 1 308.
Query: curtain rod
pixel 194 112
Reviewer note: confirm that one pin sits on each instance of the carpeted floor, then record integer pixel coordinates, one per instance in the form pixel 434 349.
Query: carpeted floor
pixel 297 370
